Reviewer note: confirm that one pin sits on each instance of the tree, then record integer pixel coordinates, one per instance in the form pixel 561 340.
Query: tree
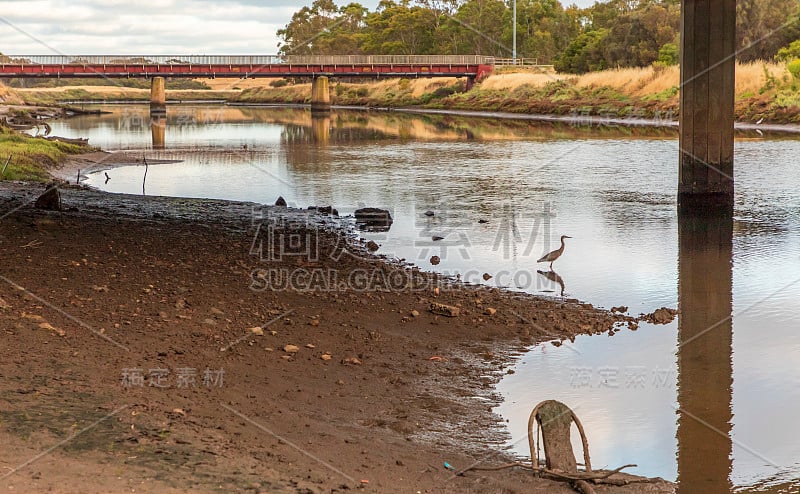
pixel 763 26
pixel 323 29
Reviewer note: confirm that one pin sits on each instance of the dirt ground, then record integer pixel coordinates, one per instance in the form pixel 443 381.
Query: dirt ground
pixel 145 348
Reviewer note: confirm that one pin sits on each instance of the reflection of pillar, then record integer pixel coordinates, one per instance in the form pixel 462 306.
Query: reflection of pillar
pixel 158 96
pixel 708 41
pixel 321 129
pixel 320 95
pixel 158 129
pixel 705 369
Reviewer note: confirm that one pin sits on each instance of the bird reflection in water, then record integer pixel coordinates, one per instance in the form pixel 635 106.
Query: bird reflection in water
pixel 553 277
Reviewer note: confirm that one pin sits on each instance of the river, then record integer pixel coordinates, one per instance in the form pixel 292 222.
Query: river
pixel 709 400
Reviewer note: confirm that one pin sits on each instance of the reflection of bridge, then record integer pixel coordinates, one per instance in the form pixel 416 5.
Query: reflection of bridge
pixel 472 66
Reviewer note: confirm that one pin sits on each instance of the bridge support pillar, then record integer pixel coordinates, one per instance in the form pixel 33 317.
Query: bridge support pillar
pixel 320 95
pixel 158 96
pixel 470 84
pixel 708 40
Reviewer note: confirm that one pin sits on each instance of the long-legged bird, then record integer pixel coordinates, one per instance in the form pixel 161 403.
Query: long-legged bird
pixel 552 256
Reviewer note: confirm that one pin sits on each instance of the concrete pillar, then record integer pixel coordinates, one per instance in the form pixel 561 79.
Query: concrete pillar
pixel 158 131
pixel 705 338
pixel 158 96
pixel 320 95
pixel 708 41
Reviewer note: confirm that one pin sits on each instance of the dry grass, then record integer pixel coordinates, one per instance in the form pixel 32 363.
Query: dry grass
pixel 516 79
pixel 227 84
pixel 8 96
pixel 750 76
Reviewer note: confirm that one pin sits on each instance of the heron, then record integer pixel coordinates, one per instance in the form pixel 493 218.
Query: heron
pixel 552 256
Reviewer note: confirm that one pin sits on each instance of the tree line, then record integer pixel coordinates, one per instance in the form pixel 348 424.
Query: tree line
pixel 615 33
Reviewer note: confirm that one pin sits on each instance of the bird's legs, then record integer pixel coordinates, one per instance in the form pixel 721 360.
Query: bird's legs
pixel 551 265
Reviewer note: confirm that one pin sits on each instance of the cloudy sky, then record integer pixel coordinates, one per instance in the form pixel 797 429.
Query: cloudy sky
pixel 147 27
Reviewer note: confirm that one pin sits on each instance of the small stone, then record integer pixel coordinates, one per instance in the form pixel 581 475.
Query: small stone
pixel 490 311
pixel 310 345
pixel 429 213
pixel 435 260
pixel 326 356
pixel 216 311
pixel 281 202
pixel 436 238
pixel 415 313
pixel 286 357
pixel 444 310
pixel 351 361
pixel 210 322
pixel 372 246
pixel 100 288
pixel 487 277
pixel 314 322
pixel 257 330
pixel 291 349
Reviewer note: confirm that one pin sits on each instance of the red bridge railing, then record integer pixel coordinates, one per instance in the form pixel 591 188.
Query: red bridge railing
pixel 254 60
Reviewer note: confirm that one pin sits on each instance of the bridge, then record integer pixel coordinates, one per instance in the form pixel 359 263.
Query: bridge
pixel 245 66
pixel 318 67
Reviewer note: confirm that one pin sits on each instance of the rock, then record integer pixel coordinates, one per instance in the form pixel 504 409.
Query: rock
pixel 257 330
pixel 663 315
pixel 327 210
pixel 444 310
pixel 216 311
pixel 310 345
pixel 621 309
pixel 372 246
pixel 51 199
pixel 326 356
pixel 210 322
pixel 281 201
pixel 291 349
pixel 351 361
pixel 415 313
pixel 4 304
pixel 436 238
pixel 100 288
pixel 373 219
pixel 490 311
pixel 435 260
pixel 487 277
pixel 429 213
pixel 482 221
pixel 48 326
pixel 314 322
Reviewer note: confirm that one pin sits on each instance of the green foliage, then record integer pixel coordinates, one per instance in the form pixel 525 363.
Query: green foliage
pixel 279 83
pixel 669 54
pixel 585 53
pixel 790 52
pixel 794 68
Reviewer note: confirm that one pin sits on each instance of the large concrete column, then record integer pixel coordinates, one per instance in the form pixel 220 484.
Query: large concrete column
pixel 705 338
pixel 320 95
pixel 708 40
pixel 158 96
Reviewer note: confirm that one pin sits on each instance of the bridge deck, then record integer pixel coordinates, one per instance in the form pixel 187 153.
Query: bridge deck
pixel 116 66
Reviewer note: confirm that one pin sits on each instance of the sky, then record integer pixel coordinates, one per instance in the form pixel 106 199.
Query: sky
pixel 147 27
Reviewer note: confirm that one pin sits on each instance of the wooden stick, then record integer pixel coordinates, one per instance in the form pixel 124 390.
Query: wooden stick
pixel 3 173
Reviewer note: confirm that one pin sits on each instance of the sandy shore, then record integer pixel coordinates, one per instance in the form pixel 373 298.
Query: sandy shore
pixel 343 382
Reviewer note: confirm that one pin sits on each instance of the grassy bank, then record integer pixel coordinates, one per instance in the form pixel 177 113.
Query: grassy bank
pixel 32 157
pixel 763 90
pixel 100 94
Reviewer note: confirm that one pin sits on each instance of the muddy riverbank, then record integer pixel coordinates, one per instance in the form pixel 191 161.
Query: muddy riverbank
pixel 340 384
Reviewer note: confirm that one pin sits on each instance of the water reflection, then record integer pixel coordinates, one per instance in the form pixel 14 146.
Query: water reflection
pixel 705 368
pixel 554 277
pixel 158 131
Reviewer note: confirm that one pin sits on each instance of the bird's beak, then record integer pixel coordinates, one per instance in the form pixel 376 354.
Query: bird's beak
pixel 567 236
